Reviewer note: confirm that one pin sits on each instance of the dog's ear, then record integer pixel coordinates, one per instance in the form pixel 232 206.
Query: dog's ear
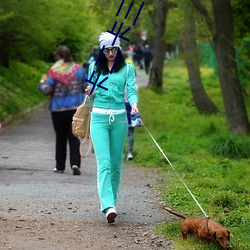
pixel 228 237
pixel 214 235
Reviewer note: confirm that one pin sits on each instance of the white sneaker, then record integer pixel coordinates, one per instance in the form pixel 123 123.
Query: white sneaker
pixel 76 170
pixel 58 171
pixel 130 156
pixel 111 214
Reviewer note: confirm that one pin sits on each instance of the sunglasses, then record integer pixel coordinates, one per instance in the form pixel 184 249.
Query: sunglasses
pixel 114 50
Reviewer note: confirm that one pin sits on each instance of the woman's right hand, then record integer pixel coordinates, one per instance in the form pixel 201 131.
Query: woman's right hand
pixel 43 79
pixel 88 90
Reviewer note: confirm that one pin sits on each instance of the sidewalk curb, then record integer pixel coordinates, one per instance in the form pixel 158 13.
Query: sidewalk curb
pixel 22 114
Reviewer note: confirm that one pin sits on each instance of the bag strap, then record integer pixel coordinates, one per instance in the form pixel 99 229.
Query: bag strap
pixel 87 137
pixel 127 73
pixel 84 155
pixel 126 84
pixel 93 64
pixel 85 99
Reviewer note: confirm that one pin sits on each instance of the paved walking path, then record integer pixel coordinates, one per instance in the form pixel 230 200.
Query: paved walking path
pixel 141 78
pixel 30 190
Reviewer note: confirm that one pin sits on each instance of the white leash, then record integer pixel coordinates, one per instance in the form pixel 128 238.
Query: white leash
pixel 174 169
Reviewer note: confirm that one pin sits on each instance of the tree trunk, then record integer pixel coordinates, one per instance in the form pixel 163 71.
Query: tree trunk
pixel 159 46
pixel 235 109
pixel 201 99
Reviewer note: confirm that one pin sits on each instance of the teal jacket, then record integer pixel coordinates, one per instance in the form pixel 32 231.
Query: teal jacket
pixel 117 84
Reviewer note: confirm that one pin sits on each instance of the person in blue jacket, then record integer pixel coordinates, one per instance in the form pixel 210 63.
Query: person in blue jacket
pixel 65 83
pixel 109 123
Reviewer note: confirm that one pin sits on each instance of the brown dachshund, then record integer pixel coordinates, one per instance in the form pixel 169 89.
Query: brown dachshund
pixel 204 229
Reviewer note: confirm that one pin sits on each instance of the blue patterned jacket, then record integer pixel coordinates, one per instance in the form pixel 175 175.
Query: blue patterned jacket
pixel 65 97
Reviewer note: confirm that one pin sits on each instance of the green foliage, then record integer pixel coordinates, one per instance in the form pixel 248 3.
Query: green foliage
pixel 170 230
pixel 241 17
pixel 219 183
pixel 175 25
pixel 243 59
pixel 104 9
pixel 224 200
pixel 231 146
pixel 176 19
pixel 19 87
pixel 41 29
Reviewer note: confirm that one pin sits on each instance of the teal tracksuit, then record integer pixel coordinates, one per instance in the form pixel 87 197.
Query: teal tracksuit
pixel 109 130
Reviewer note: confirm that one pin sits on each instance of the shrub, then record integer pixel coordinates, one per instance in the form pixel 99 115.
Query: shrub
pixel 231 146
pixel 223 200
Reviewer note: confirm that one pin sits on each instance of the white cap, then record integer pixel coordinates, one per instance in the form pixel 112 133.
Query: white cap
pixel 106 39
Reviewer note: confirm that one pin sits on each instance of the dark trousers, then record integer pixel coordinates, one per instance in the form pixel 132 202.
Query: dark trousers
pixel 130 129
pixel 147 65
pixel 62 122
pixel 131 139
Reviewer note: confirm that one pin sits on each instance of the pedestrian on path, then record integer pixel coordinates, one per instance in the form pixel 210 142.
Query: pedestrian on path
pixel 147 54
pixel 109 125
pixel 131 129
pixel 65 84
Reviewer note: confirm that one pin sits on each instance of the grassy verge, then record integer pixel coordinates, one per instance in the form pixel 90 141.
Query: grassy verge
pixel 214 164
pixel 19 88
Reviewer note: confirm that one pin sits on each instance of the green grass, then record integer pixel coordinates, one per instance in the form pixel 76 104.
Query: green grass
pixel 214 164
pixel 19 88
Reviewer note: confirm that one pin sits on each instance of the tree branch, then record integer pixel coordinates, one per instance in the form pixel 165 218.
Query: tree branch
pixel 202 9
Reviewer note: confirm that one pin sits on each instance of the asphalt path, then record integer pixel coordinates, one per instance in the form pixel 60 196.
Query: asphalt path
pixel 31 190
pixel 26 177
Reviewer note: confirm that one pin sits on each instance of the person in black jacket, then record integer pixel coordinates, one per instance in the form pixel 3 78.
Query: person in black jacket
pixel 147 54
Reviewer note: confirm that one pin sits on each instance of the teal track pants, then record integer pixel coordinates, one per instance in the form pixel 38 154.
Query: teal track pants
pixel 108 139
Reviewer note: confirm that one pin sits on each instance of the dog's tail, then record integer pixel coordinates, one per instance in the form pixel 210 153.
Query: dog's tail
pixel 175 213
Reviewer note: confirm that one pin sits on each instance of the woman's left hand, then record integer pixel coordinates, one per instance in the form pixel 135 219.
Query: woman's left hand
pixel 88 91
pixel 134 109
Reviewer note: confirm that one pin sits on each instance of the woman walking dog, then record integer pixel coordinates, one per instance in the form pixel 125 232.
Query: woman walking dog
pixel 109 123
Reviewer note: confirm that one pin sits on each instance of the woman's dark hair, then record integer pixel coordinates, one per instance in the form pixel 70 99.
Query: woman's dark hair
pixel 63 52
pixel 103 67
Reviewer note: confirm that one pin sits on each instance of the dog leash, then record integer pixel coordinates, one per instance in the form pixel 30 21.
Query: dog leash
pixel 174 169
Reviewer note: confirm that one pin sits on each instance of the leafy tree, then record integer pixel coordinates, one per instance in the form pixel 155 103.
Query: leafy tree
pixel 175 24
pixel 221 28
pixel 106 12
pixel 159 44
pixel 28 33
pixel 182 24
pixel 23 40
pixel 78 28
pixel 242 33
pixel 241 17
pixel 201 99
